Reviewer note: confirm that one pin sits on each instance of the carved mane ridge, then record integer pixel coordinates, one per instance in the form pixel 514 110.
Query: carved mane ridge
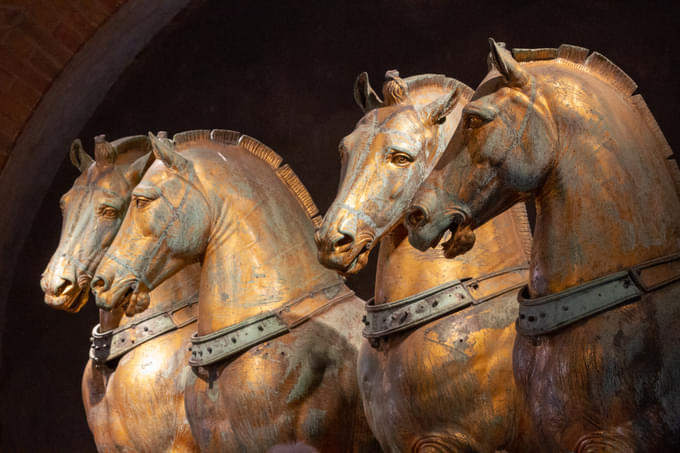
pixel 262 152
pixel 421 81
pixel 600 66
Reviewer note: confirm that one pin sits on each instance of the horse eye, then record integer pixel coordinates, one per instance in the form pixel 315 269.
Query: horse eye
pixel 400 159
pixel 141 202
pixel 473 121
pixel 108 211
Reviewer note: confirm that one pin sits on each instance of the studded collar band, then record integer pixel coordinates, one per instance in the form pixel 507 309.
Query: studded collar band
pixel 552 312
pixel 234 339
pixel 385 319
pixel 112 344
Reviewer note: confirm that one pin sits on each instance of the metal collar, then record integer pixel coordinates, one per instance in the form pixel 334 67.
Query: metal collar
pixel 218 345
pixel 109 345
pixel 552 312
pixel 385 319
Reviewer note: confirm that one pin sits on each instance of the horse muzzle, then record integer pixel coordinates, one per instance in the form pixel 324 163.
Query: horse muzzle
pixel 342 252
pixel 426 230
pixel 129 294
pixel 63 291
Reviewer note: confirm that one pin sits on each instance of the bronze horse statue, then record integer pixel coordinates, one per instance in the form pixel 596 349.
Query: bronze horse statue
pixel 598 350
pixel 274 358
pixel 133 384
pixel 443 382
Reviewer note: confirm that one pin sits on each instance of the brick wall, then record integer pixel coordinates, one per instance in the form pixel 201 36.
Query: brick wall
pixel 37 39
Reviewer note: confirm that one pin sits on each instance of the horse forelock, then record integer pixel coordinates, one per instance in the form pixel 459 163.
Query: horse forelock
pixel 104 154
pixel 395 90
pixel 121 151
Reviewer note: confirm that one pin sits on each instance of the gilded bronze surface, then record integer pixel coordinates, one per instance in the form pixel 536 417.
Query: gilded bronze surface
pixel 561 125
pixel 227 202
pixel 136 404
pixel 446 385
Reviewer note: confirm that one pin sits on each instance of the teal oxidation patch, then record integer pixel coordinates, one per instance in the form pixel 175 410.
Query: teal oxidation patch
pixel 314 423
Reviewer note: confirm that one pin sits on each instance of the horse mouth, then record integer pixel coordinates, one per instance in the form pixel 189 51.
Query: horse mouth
pixel 461 239
pixel 71 302
pixel 125 298
pixel 360 259
pixel 349 258
pixel 130 295
pixel 135 299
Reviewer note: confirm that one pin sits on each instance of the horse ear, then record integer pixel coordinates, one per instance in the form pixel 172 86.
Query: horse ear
pixel 436 111
pixel 364 95
pixel 164 150
pixel 502 60
pixel 79 158
pixel 133 174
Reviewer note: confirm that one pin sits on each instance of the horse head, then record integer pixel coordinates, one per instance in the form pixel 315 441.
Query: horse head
pixel 92 210
pixel 165 229
pixel 384 159
pixel 504 147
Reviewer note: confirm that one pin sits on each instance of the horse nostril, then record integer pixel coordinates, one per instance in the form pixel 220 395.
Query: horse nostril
pixel 63 286
pixel 343 241
pixel 99 283
pixel 416 217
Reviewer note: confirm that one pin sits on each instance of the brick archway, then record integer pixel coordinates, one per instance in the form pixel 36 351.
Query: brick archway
pixel 58 61
pixel 37 41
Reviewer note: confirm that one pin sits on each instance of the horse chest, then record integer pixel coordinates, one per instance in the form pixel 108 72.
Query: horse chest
pixel 138 405
pixel 616 371
pixel 451 378
pixel 294 387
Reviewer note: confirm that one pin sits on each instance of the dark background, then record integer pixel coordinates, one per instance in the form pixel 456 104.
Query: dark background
pixel 283 72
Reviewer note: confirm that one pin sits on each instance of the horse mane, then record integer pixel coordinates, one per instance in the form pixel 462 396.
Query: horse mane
pixel 133 142
pixel 521 218
pixel 421 81
pixel 600 66
pixel 262 152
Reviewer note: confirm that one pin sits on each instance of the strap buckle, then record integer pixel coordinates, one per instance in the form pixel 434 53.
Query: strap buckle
pixel 657 273
pixel 185 315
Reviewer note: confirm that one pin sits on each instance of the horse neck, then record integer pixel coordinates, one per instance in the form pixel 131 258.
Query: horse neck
pixel 244 278
pixel 261 253
pixel 404 271
pixel 176 290
pixel 609 203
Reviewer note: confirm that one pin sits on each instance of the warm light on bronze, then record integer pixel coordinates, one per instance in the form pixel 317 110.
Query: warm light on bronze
pixel 563 126
pixel 446 384
pixel 227 202
pixel 135 401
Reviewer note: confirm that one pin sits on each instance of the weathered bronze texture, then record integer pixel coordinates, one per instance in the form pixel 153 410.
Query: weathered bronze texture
pixel 136 403
pixel 561 125
pixel 445 385
pixel 227 202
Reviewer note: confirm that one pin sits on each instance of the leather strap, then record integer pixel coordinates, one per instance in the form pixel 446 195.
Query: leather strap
pixel 109 345
pixel 385 319
pixel 231 340
pixel 552 312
